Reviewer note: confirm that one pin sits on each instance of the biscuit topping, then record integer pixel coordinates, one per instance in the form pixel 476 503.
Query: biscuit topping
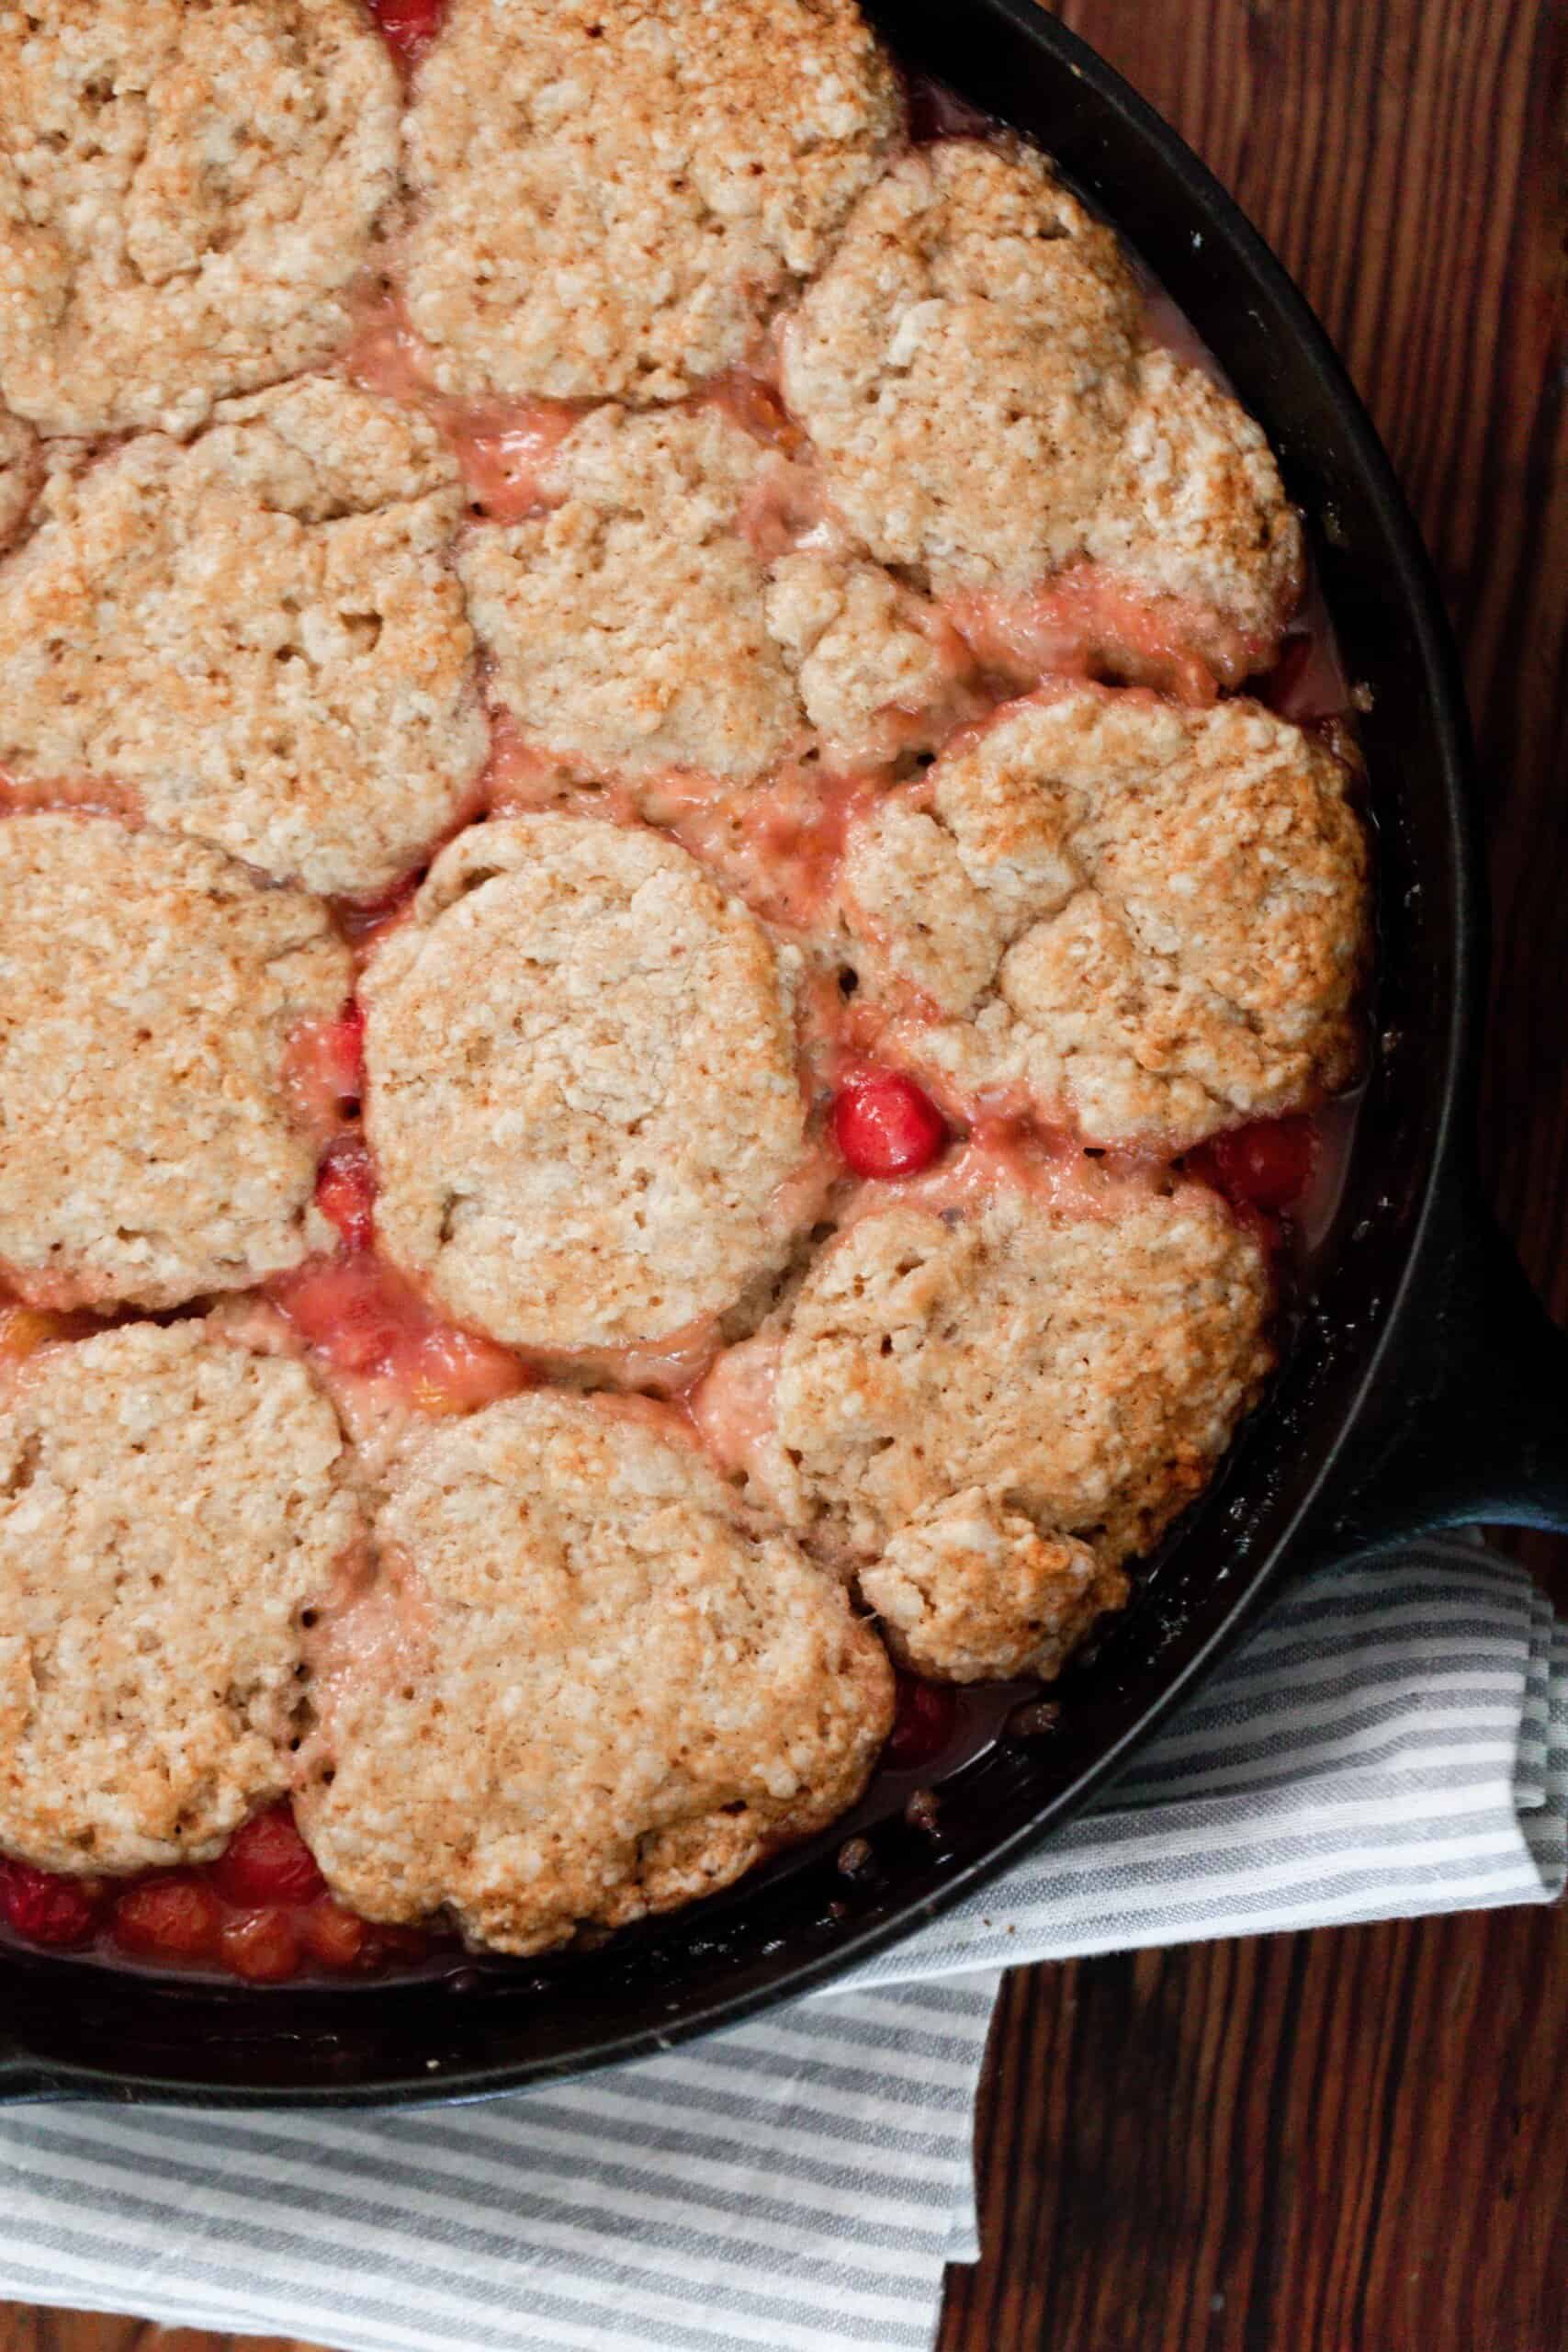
pixel 186 193
pixel 637 907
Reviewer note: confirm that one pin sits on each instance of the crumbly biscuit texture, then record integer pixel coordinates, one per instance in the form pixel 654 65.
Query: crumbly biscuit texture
pixel 965 366
pixel 19 474
pixel 184 195
pixel 942 1380
pixel 613 195
pixel 628 624
pixel 876 667
pixel 1194 508
pixel 970 1592
pixel 1147 921
pixel 169 1505
pixel 150 1151
pixel 640 625
pixel 582 1090
pixel 258 635
pixel 582 1689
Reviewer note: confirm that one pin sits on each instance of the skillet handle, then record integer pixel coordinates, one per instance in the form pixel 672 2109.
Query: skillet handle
pixel 1478 1425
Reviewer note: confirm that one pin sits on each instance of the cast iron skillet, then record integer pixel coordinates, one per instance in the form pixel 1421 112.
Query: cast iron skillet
pixel 1425 1386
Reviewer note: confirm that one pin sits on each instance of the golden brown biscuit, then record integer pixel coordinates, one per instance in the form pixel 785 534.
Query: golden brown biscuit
pixel 257 635
pixel 184 195
pixel 1146 921
pixel 150 1148
pixel 169 1505
pixel 582 1686
pixel 613 195
pixel 583 1093
pixel 985 1402
pixel 966 365
pixel 1194 508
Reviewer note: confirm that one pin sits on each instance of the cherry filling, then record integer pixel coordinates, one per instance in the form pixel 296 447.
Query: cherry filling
pixel 364 920
pixel 25 1329
pixel 925 1716
pixel 884 1125
pixel 44 1909
pixel 364 1320
pixel 340 1055
pixel 260 1912
pixel 324 1071
pixel 1265 1166
pixel 409 26
pixel 345 1191
pixel 176 1916
pixel 267 1861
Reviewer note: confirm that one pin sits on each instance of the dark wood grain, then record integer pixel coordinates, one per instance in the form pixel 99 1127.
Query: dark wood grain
pixel 1322 2143
pixel 1356 2139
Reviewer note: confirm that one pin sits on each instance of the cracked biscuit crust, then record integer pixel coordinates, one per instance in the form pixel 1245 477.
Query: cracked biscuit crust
pixel 613 195
pixel 1150 922
pixel 582 1089
pixel 148 990
pixel 942 1387
pixel 184 195
pixel 965 366
pixel 1194 508
pixel 970 1592
pixel 636 628
pixel 583 1686
pixel 169 1504
pixel 257 637
pixel 19 474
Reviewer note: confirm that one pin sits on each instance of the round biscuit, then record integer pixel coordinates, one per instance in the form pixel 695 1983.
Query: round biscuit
pixel 1148 922
pixel 965 366
pixel 1194 508
pixel 583 1093
pixel 581 1687
pixel 257 637
pixel 170 1504
pixel 148 1148
pixel 611 195
pixel 186 193
pixel 1009 1362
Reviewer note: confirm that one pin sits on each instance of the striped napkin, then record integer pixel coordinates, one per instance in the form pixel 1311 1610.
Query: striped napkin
pixel 1395 1740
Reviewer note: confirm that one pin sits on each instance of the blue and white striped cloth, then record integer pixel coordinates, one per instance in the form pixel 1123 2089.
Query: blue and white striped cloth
pixel 1395 1740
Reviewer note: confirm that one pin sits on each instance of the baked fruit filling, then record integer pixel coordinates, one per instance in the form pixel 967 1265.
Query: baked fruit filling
pixel 682 892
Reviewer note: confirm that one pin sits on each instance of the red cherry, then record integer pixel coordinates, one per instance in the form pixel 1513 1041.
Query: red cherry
pixel 44 1907
pixel 885 1126
pixel 267 1861
pixel 409 25
pixel 261 1946
pixel 345 1191
pixel 176 1916
pixel 923 1720
pixel 336 1937
pixel 1265 1166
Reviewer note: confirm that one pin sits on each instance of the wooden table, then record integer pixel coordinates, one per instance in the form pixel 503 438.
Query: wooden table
pixel 1322 2143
